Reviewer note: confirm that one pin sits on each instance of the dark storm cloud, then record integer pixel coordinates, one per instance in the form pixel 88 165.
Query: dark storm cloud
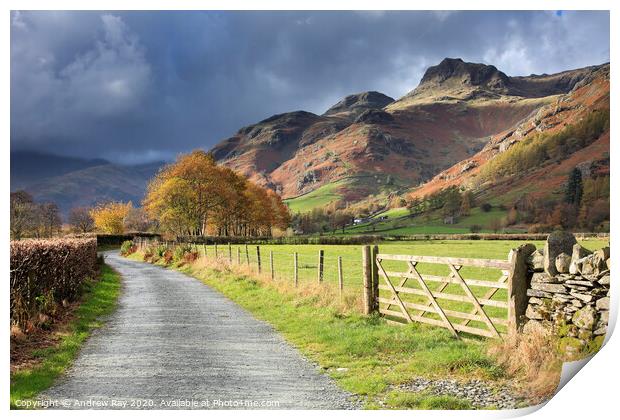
pixel 140 86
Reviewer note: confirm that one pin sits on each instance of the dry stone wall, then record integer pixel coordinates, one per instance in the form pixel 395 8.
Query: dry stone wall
pixel 568 292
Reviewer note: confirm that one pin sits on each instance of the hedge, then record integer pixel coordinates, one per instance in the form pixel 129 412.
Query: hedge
pixel 46 272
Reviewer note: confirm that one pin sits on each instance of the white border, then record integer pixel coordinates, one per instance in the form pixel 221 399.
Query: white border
pixel 591 394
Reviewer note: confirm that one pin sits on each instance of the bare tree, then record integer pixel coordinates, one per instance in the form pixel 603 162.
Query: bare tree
pixel 50 219
pixel 80 219
pixel 137 220
pixel 22 212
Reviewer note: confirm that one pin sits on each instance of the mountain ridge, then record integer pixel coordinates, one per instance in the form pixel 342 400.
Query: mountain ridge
pixel 453 113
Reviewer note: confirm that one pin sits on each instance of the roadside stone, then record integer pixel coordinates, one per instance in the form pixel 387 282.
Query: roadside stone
pixel 585 318
pixel 601 331
pixel 581 296
pixel 538 293
pixel 562 263
pixel 542 277
pixel 535 301
pixel 579 252
pixel 602 304
pixel 579 283
pixel 604 280
pixel 533 312
pixel 479 393
pixel 576 303
pixel 536 261
pixel 557 243
pixel 549 287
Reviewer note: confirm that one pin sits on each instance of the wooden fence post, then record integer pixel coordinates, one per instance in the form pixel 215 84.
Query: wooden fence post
pixel 367 272
pixel 238 256
pixel 229 253
pixel 271 264
pixel 295 271
pixel 340 280
pixel 518 280
pixel 205 248
pixel 247 255
pixel 258 258
pixel 375 278
pixel 216 251
pixel 320 266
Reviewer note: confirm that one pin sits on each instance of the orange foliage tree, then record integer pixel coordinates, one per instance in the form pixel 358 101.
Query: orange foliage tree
pixel 110 217
pixel 196 196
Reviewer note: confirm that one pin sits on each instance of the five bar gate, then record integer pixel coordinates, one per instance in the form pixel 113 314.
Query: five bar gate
pixel 459 304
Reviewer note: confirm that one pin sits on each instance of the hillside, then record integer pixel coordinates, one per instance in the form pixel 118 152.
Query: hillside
pixel 79 182
pixel 369 144
pixel 486 173
pixel 28 167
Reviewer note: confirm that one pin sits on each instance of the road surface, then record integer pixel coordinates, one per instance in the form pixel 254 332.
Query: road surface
pixel 174 342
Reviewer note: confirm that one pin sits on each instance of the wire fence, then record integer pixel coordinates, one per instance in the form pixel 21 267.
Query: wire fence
pixel 340 267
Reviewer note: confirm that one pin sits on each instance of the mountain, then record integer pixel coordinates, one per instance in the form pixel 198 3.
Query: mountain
pixel 368 144
pixel 72 182
pixel 570 121
pixel 28 166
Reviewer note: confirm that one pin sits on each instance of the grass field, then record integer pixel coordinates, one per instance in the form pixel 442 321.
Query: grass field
pixel 398 222
pixel 99 300
pixel 320 197
pixel 351 255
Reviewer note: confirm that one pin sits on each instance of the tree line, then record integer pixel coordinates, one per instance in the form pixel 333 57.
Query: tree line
pixel 196 196
pixel 192 196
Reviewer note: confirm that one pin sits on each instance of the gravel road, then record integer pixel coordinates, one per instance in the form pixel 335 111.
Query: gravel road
pixel 176 343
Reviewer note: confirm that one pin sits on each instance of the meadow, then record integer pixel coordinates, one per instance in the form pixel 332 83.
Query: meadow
pixel 352 270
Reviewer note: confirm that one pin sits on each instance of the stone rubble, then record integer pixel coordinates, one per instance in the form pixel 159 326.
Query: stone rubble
pixel 476 391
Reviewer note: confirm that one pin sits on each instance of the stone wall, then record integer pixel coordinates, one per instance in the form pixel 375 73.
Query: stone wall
pixel 568 292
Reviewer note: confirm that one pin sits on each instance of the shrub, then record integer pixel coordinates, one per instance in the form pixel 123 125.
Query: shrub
pixel 475 228
pixel 128 248
pixel 180 251
pixel 168 256
pixel 45 273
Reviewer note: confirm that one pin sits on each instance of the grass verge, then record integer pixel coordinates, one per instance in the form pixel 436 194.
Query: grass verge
pixel 99 300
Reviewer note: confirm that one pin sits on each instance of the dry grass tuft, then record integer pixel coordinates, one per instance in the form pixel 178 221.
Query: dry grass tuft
pixel 533 358
pixel 320 295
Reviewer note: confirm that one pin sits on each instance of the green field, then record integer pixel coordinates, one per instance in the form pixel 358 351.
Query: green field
pixel 351 257
pixel 320 197
pixel 400 223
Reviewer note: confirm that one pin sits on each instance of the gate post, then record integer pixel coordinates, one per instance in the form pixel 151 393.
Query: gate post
pixel 518 280
pixel 375 278
pixel 369 295
pixel 319 274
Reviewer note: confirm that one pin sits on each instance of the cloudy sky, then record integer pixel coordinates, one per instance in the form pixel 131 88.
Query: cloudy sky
pixel 142 86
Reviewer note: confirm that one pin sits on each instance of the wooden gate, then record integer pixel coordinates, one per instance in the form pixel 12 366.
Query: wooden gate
pixel 449 301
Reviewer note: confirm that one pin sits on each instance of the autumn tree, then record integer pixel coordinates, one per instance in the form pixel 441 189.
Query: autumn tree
pixel 195 196
pixel 110 217
pixel 80 220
